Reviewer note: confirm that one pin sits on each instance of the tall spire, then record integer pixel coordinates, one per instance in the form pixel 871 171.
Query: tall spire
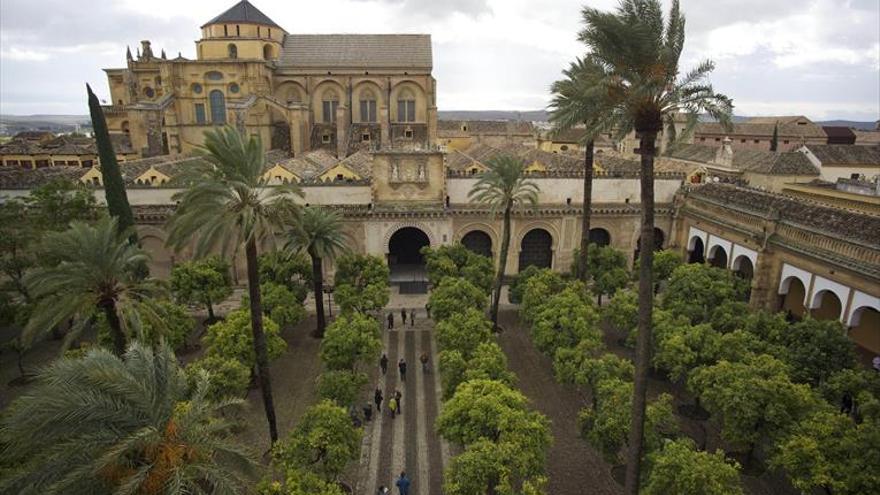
pixel 163 54
pixel 128 53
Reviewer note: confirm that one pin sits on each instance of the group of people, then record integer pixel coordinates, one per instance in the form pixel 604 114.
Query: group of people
pixel 402 484
pixel 403 318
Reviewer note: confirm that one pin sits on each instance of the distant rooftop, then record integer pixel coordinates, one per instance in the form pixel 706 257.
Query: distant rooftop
pixel 245 13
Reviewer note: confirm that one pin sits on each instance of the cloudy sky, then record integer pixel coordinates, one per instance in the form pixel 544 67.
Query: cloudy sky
pixel 820 58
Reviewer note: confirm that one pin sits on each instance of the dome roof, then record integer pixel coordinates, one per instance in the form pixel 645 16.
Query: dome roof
pixel 245 13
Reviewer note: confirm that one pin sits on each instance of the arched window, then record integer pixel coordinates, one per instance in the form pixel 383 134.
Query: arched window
pixel 292 95
pixel 368 106
pixel 233 50
pixel 406 106
pixel 267 52
pixel 218 107
pixel 329 101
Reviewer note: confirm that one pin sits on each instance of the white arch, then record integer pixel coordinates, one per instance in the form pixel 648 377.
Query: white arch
pixel 714 243
pixel 713 251
pixel 820 285
pixel 740 252
pixel 860 302
pixel 693 235
pixel 789 272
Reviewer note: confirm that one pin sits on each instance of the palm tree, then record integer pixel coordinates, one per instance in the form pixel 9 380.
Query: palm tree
pixel 229 204
pixel 91 268
pixel 575 103
pixel 503 187
pixel 104 424
pixel 634 54
pixel 318 233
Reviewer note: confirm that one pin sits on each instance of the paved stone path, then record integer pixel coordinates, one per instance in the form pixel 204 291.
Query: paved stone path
pixel 408 442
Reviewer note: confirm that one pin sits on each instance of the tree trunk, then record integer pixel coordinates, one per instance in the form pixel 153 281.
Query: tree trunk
pixel 646 303
pixel 502 263
pixel 109 307
pixel 210 309
pixel 318 276
pixel 260 350
pixel 583 274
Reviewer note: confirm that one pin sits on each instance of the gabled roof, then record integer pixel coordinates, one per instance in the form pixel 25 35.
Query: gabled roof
pixel 764 129
pixel 746 160
pixel 361 51
pixel 845 154
pixel 781 119
pixel 245 13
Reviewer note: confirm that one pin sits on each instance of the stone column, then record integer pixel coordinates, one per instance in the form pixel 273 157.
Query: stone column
pixel 384 126
pixel 341 131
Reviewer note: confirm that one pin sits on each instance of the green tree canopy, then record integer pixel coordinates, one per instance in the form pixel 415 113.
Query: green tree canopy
pixel 606 426
pixel 463 331
pixel 455 260
pixel 227 376
pixel 361 283
pixel 585 366
pixel 564 319
pixel 351 340
pixel 607 267
pixel 279 303
pixel 622 311
pixel 685 348
pixel 681 469
pixel 753 399
pixel 487 362
pixel 816 349
pixel 455 295
pixel 828 450
pixel 206 281
pixel 292 270
pixel 861 384
pixel 322 443
pixel 518 285
pixel 492 467
pixel 538 288
pixel 177 324
pixel 232 338
pixel 107 424
pixel 695 290
pixel 341 386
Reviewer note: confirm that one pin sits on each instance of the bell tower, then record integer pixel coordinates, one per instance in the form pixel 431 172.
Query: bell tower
pixel 242 32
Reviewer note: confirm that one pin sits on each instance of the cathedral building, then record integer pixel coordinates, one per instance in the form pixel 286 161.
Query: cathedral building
pixel 298 92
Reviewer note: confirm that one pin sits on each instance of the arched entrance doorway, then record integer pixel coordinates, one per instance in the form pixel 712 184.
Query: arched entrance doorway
pixel 792 294
pixel 718 257
pixel 536 249
pixel 478 242
pixel 659 239
pixel 405 260
pixel 743 268
pixel 600 237
pixel 826 306
pixel 696 252
pixel 865 331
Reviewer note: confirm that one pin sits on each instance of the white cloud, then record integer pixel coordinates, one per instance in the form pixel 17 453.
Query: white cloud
pixel 811 57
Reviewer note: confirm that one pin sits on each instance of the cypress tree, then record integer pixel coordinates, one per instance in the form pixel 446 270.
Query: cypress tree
pixel 114 187
pixel 774 141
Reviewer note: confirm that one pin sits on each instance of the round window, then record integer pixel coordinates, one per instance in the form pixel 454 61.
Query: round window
pixel 564 147
pixel 233 88
pixel 197 88
pixel 148 91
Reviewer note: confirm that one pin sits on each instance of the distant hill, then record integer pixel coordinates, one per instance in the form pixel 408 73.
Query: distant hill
pixel 13 124
pixel 865 126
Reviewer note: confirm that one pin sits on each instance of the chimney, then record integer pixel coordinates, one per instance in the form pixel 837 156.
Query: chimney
pixel 724 155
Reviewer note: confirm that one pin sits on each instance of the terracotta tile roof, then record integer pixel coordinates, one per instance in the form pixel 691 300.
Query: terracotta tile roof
pixel 782 119
pixel 21 147
pixel 460 160
pixel 761 129
pixel 245 13
pixel 19 178
pixel 836 222
pixel 867 137
pixel 356 50
pixel 759 161
pixel 310 164
pixel 845 154
pixel 491 127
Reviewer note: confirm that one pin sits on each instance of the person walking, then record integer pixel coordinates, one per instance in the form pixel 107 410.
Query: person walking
pixel 377 398
pixel 392 406
pixel 368 412
pixel 390 321
pixel 383 363
pixel 403 483
pixel 428 310
pixel 424 359
pixel 412 317
pixel 398 397
pixel 403 316
pixel 401 366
